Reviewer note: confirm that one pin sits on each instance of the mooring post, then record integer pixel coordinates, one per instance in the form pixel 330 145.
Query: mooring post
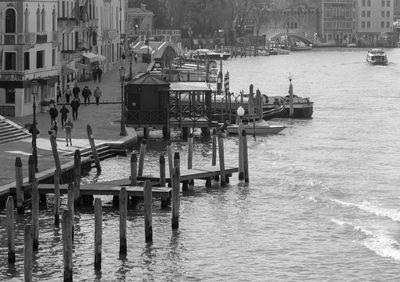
pixel 133 169
pixel 77 176
pixel 162 171
pixel 28 253
pixel 214 148
pixel 148 221
pixel 170 162
pixel 93 146
pixel 176 191
pixel 221 159
pixel 70 206
pixel 245 157
pixel 190 151
pixel 55 152
pixel 35 214
pixel 123 213
pixel 67 227
pixel 31 168
pixel 56 198
pixel 141 157
pixel 19 179
pixel 10 229
pixel 98 232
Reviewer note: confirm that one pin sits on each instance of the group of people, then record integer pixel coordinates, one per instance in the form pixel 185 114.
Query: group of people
pixel 86 94
pixel 66 122
pixel 97 72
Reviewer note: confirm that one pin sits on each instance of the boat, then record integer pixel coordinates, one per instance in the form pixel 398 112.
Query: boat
pixel 207 53
pixel 259 127
pixel 376 56
pixel 300 46
pixel 302 107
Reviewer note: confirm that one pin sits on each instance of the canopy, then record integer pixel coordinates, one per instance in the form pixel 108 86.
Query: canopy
pixel 92 57
pixel 66 70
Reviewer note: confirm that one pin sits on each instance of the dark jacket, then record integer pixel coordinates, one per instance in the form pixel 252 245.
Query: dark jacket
pixel 76 90
pixel 64 112
pixel 75 104
pixel 53 112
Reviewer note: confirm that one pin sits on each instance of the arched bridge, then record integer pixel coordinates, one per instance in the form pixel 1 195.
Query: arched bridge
pixel 162 51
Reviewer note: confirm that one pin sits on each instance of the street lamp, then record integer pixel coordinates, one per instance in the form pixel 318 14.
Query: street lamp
pixel 35 90
pixel 122 77
pixel 240 113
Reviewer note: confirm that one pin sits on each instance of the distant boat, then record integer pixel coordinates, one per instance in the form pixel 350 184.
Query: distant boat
pixel 260 127
pixel 300 46
pixel 203 53
pixel 376 56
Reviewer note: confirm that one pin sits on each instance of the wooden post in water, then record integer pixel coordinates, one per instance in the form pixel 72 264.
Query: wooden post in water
pixel 133 169
pixel 31 168
pixel 241 166
pixel 148 221
pixel 214 148
pixel 162 171
pixel 28 253
pixel 19 179
pixel 70 206
pixel 170 161
pixel 10 229
pixel 93 146
pixel 123 213
pixel 245 157
pixel 56 198
pixel 221 159
pixel 77 176
pixel 67 227
pixel 98 232
pixel 141 157
pixel 55 152
pixel 190 151
pixel 35 214
pixel 176 191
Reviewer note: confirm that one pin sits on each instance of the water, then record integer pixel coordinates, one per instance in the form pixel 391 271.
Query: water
pixel 322 204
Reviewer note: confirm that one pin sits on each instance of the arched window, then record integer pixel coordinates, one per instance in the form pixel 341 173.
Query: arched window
pixel 43 20
pixel 38 20
pixel 54 20
pixel 26 15
pixel 10 21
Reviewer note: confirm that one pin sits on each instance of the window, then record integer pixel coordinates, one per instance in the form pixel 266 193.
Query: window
pixel 10 21
pixel 54 20
pixel 10 60
pixel 363 24
pixel 368 3
pixel 368 14
pixel 27 95
pixel 26 15
pixel 363 14
pixel 39 59
pixel 38 29
pixel 43 18
pixel 383 3
pixel 383 14
pixel 26 61
pixel 388 14
pixel 382 24
pixel 10 96
pixel 387 24
pixel 388 3
pixel 363 3
pixel 368 24
pixel 63 9
pixel 53 57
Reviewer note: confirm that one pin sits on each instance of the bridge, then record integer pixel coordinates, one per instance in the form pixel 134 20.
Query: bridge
pixel 294 36
pixel 162 51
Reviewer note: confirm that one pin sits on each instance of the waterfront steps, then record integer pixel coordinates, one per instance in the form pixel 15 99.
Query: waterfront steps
pixel 10 132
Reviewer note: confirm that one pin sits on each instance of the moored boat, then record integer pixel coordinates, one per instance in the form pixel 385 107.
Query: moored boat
pixel 376 56
pixel 260 127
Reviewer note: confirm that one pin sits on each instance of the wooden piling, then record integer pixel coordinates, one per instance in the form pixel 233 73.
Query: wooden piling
pixel 221 159
pixel 190 151
pixel 176 192
pixel 148 221
pixel 162 171
pixel 55 152
pixel 67 226
pixel 241 167
pixel 35 214
pixel 31 168
pixel 214 148
pixel 70 206
pixel 245 157
pixel 123 214
pixel 77 175
pixel 170 160
pixel 56 198
pixel 19 179
pixel 141 156
pixel 133 169
pixel 93 146
pixel 28 253
pixel 98 232
pixel 10 229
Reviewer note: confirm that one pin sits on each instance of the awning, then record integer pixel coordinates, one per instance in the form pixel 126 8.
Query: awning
pixel 66 70
pixel 92 57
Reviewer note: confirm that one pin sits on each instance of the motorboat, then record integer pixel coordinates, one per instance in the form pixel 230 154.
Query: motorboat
pixel 376 56
pixel 213 55
pixel 259 127
pixel 300 46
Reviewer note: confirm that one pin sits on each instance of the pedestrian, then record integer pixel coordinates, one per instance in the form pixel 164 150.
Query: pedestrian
pixel 64 114
pixel 68 130
pixel 97 94
pixel 135 58
pixel 86 93
pixel 67 94
pixel 76 90
pixel 53 112
pixel 58 93
pixel 53 128
pixel 94 73
pixel 99 73
pixel 74 106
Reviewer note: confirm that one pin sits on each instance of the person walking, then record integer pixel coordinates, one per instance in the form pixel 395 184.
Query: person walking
pixel 86 93
pixel 68 131
pixel 67 94
pixel 94 73
pixel 97 94
pixel 58 93
pixel 135 58
pixel 64 114
pixel 99 73
pixel 76 90
pixel 53 112
pixel 74 106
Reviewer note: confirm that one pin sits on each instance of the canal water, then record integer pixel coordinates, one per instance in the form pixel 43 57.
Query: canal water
pixel 323 203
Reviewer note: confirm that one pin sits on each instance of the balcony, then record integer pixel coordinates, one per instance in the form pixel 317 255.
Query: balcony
pixel 9 39
pixel 11 75
pixel 41 38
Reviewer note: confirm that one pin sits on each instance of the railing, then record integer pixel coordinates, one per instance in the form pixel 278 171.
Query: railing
pixel 11 75
pixel 41 38
pixel 146 117
pixel 7 110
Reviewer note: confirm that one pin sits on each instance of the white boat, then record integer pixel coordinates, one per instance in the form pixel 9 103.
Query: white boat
pixel 260 127
pixel 376 56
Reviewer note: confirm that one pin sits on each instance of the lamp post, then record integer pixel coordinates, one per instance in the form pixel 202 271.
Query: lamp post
pixel 122 77
pixel 35 90
pixel 240 113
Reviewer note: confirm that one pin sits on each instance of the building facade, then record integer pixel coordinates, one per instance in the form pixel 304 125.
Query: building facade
pixel 28 50
pixel 139 21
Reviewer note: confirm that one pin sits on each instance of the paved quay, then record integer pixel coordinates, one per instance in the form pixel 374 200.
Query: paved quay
pixel 104 120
